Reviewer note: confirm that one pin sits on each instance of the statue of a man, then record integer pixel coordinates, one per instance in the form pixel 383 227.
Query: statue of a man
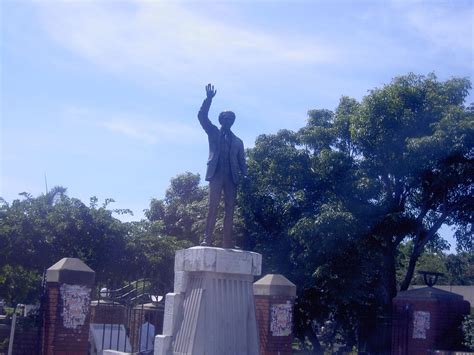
pixel 225 166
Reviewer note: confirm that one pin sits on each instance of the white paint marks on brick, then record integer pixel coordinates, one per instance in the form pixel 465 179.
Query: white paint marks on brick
pixel 281 319
pixel 421 323
pixel 76 304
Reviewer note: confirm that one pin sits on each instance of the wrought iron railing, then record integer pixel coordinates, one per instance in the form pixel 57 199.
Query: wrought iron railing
pixel 126 318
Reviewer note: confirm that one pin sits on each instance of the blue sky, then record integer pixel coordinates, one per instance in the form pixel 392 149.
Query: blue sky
pixel 102 96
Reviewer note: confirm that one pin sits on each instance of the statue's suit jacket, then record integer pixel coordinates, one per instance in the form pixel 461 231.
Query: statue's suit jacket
pixel 236 155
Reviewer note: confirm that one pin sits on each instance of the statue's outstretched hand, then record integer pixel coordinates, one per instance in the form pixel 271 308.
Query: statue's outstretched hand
pixel 210 92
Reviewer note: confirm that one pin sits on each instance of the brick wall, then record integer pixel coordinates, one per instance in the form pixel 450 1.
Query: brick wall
pixel 50 316
pixel 58 339
pixel 262 312
pixel 443 333
pixel 270 344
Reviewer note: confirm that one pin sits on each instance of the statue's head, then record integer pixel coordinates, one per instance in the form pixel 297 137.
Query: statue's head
pixel 226 119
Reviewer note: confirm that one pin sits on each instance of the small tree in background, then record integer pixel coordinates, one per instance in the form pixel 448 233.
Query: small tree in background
pixel 468 330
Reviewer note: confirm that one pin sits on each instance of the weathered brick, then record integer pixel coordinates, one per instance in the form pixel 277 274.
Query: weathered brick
pixel 58 340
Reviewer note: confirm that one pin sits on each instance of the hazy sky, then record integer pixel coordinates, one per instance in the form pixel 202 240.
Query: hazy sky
pixel 102 96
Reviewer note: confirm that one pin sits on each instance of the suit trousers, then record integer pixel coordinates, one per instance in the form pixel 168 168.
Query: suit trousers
pixel 221 182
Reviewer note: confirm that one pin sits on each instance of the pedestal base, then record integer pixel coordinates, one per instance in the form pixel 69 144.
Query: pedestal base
pixel 212 311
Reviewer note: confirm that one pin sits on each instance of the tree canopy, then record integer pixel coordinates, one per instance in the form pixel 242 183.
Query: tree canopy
pixel 330 204
pixel 36 232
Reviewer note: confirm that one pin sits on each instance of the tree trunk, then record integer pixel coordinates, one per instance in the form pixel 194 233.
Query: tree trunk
pixel 378 327
pixel 420 241
pixel 410 270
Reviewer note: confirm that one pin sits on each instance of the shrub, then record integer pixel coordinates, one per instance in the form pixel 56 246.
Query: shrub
pixel 468 331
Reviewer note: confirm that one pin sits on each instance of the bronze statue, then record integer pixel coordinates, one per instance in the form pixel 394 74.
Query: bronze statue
pixel 225 166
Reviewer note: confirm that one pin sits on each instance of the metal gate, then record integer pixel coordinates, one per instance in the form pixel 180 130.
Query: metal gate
pixel 126 318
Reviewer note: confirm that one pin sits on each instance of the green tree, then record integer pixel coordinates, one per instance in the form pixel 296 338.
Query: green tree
pixel 150 255
pixel 182 212
pixel 468 331
pixel 36 232
pixel 457 269
pixel 460 269
pixel 332 202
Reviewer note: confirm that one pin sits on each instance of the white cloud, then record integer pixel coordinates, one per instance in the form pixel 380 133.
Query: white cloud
pixel 136 127
pixel 166 37
pixel 150 132
pixel 445 24
pixel 130 129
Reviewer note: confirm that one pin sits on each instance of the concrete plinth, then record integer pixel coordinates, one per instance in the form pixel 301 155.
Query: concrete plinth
pixel 212 309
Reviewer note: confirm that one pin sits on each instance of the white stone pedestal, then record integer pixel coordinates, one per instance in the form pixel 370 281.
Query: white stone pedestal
pixel 212 309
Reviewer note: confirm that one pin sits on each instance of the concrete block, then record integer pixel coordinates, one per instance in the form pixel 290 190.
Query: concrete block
pixel 256 264
pixel 274 285
pixel 163 344
pixel 221 260
pixel 212 309
pixel 235 262
pixel 173 306
pixel 180 281
pixel 71 271
pixel 200 259
pixel 179 260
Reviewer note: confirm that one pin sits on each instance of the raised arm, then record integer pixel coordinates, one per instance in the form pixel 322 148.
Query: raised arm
pixel 210 92
pixel 204 111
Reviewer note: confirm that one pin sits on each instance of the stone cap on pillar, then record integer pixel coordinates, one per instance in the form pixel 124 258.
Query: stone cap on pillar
pixel 71 271
pixel 274 285
pixel 427 293
pixel 232 261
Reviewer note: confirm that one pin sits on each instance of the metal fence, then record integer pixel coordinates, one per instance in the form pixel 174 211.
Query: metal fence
pixel 126 318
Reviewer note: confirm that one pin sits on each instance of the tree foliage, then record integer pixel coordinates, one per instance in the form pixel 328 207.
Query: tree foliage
pixel 468 331
pixel 182 213
pixel 36 232
pixel 457 269
pixel 330 205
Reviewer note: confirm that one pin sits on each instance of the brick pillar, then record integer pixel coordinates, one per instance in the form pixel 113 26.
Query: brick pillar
pixel 274 301
pixel 67 308
pixel 427 319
